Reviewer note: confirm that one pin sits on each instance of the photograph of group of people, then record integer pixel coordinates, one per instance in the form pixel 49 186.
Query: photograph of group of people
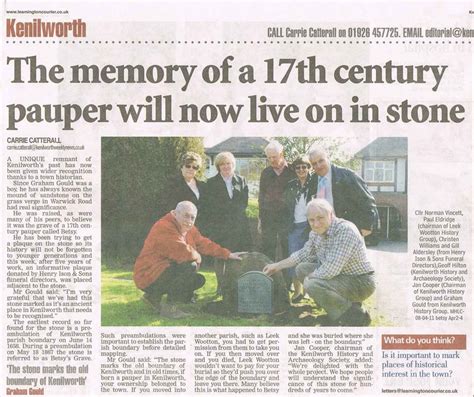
pixel 181 223
pixel 312 219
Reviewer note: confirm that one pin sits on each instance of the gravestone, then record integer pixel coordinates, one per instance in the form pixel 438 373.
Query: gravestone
pixel 251 262
pixel 254 293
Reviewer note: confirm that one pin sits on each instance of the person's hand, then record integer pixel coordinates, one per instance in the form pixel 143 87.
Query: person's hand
pixel 198 259
pixel 270 269
pixel 259 226
pixel 196 266
pixel 236 256
pixel 365 232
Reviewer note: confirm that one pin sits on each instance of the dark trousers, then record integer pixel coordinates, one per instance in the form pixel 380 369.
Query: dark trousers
pixel 179 281
pixel 274 232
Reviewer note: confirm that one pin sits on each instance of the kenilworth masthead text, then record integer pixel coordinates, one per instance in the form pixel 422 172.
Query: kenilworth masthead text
pixel 38 28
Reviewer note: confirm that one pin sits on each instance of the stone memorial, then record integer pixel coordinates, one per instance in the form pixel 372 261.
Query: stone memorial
pixel 254 293
pixel 251 262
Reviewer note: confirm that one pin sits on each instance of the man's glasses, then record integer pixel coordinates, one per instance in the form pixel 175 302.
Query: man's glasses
pixel 301 167
pixel 194 167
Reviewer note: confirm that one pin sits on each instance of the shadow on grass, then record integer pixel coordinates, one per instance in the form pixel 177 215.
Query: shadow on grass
pixel 122 306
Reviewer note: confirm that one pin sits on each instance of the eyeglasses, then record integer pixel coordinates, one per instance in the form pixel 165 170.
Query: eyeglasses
pixel 194 167
pixel 301 167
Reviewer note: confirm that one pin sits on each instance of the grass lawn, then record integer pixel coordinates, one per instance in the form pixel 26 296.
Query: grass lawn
pixel 122 306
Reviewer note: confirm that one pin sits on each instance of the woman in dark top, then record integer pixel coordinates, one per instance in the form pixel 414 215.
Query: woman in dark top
pixel 226 199
pixel 184 186
pixel 296 197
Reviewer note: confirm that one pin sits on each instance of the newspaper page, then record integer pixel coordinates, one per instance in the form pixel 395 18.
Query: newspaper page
pixel 112 110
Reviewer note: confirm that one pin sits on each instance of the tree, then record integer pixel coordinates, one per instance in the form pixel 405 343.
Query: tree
pixel 297 146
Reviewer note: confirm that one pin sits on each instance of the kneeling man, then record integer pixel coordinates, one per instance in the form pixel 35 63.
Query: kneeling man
pixel 170 258
pixel 334 267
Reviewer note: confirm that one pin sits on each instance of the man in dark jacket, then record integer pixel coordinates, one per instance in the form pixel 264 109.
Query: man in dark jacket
pixel 273 214
pixel 345 191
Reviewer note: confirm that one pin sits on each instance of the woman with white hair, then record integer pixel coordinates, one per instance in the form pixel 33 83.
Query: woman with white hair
pixel 226 200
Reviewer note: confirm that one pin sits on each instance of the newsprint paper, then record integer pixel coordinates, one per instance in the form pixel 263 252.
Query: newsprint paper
pixel 101 101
